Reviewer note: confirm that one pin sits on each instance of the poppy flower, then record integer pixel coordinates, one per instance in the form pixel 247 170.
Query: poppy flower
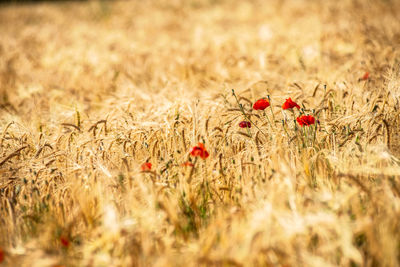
pixel 365 76
pixel 199 151
pixel 289 103
pixel 64 241
pixel 305 120
pixel 244 124
pixel 261 104
pixel 187 164
pixel 2 256
pixel 146 166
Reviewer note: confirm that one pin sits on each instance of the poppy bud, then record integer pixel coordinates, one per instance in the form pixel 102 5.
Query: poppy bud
pixel 244 124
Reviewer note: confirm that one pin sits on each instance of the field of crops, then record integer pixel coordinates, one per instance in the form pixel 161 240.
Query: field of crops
pixel 200 133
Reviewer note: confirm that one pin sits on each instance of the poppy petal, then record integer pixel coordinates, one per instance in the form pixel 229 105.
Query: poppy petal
pixel 261 104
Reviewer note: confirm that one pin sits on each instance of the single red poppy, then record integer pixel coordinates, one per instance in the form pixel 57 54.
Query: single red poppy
pixel 2 255
pixel 187 164
pixel 365 76
pixel 244 124
pixel 261 104
pixel 64 241
pixel 289 103
pixel 199 151
pixel 305 120
pixel 146 166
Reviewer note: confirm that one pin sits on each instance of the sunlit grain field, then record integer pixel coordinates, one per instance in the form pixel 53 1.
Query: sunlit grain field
pixel 104 104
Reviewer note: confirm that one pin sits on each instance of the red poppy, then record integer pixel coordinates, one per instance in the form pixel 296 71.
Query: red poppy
pixel 64 241
pixel 187 164
pixel 199 151
pixel 244 124
pixel 146 166
pixel 2 255
pixel 305 120
pixel 289 103
pixel 261 104
pixel 365 76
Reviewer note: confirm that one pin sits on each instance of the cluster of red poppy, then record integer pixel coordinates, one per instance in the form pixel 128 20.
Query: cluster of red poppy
pixel 261 104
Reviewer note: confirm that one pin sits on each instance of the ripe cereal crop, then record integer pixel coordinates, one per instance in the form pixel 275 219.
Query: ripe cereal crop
pixel 200 133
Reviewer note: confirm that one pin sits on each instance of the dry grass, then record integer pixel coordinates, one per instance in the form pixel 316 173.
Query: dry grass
pixel 90 91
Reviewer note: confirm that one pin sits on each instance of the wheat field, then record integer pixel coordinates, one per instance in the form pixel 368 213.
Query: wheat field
pixel 104 104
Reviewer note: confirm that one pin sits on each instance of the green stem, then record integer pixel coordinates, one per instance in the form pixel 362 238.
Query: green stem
pixel 270 104
pixel 315 133
pixel 244 113
pixel 287 134
pixel 269 122
pixel 192 171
